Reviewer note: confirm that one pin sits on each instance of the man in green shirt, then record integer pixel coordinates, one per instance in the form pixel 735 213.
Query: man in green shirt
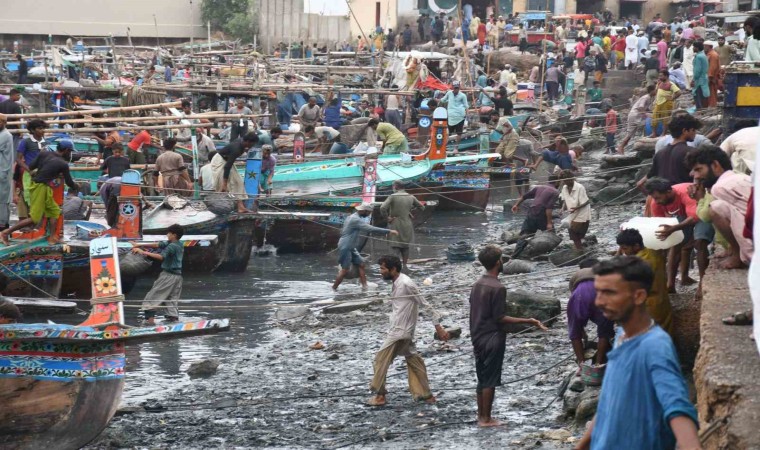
pixel 594 94
pixel 168 287
pixel 394 141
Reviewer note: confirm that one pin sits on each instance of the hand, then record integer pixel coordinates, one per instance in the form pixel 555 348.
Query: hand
pixel 696 191
pixel 572 210
pixel 515 207
pixel 224 186
pixel 665 231
pixel 393 233
pixel 138 251
pixel 537 323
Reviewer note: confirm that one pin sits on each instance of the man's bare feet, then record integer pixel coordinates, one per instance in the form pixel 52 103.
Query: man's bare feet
pixel 4 238
pixel 431 400
pixel 671 289
pixel 686 281
pixel 491 422
pixel 378 400
pixel 731 262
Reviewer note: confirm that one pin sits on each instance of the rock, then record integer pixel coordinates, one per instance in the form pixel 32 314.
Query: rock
pixel 559 434
pixel 317 346
pixel 541 243
pixel 290 312
pixel 643 170
pixel 333 357
pixel 346 307
pixel 454 333
pixel 591 143
pixel 204 368
pixel 589 400
pixel 530 304
pixel 569 256
pixel 576 384
pixel 618 161
pixel 645 146
pixel 592 185
pixel 126 410
pixel 515 266
pixel 312 377
pixel 591 239
pixel 510 237
pixel 570 402
pixel 618 194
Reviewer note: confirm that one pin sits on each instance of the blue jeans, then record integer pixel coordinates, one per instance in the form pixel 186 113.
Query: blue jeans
pixel 339 148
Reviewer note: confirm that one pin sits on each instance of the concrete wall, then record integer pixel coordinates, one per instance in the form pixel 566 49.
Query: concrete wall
pixel 285 20
pixel 365 15
pixel 102 17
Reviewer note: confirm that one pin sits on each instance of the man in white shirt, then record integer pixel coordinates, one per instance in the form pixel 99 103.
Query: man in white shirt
pixel 576 201
pixel 741 147
pixel 631 50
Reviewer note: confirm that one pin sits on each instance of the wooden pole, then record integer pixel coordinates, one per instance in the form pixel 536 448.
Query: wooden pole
pixel 224 117
pixel 136 127
pixel 94 111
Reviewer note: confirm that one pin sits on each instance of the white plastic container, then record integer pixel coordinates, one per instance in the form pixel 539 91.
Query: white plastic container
pixel 648 226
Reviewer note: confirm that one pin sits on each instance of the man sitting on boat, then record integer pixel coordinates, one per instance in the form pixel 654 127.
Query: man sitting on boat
pixel 174 176
pixel 226 178
pixel 45 169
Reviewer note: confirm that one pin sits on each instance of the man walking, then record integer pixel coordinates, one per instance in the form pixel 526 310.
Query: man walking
pixel 576 201
pixel 406 302
pixel 398 209
pixel 353 227
pixel 168 287
pixel 46 167
pixel 488 307
pixel 644 404
pixel 7 156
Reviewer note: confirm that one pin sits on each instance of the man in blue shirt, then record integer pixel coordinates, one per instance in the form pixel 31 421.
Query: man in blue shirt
pixel 168 287
pixel 644 402
pixel 561 157
pixel 456 107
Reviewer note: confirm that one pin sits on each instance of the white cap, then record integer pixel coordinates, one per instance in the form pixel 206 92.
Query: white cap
pixel 711 43
pixel 365 207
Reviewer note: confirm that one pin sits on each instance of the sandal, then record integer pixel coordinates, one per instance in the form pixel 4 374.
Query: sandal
pixel 739 319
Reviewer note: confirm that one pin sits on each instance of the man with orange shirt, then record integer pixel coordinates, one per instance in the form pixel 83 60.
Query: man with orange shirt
pixel 135 152
pixel 713 72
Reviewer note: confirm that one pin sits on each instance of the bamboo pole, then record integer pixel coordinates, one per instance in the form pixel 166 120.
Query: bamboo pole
pixel 95 111
pixel 136 127
pixel 224 117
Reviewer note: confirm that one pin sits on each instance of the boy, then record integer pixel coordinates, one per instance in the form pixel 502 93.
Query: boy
pixel 168 286
pixel 595 94
pixel 117 163
pixel 610 127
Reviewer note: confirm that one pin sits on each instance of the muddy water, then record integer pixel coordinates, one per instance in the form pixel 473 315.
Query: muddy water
pixel 271 390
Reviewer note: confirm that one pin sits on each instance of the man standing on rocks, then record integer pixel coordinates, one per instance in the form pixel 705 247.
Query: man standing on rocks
pixel 488 315
pixel 406 302
pixel 540 213
pixel 576 201
pixel 644 403
pixel 398 209
pixel 353 227
pixel 637 117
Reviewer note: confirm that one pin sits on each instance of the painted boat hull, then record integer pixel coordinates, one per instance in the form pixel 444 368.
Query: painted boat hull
pixel 36 262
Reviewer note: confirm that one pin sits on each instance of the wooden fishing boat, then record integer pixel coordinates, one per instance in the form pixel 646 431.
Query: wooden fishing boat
pixel 60 385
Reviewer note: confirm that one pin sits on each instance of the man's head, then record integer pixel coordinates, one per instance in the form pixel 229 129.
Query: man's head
pixel 398 185
pixel 709 45
pixel 553 180
pixel 596 85
pixel 373 123
pixel 455 87
pixel 187 106
pixel 663 75
pixel 117 149
pixel 169 144
pixel 684 127
pixel 266 150
pixel 9 312
pixel 15 95
pixel 250 139
pixel 490 257
pixel 567 177
pixel 721 41
pixel 661 190
pixel 64 148
pixel 390 267
pixel 240 103
pixel 36 128
pixel 630 241
pixel 175 232
pixel 622 284
pixel 275 132
pixel 707 164
pixel 308 130
pixel 312 101
pixel 364 210
pixel 561 145
pixel 698 46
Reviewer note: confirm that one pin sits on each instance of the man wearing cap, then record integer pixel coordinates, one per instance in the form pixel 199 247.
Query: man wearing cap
pixel 350 234
pixel 713 72
pixel 456 107
pixel 47 167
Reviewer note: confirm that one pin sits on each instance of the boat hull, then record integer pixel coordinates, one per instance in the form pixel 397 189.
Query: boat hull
pixel 50 388
pixel 33 268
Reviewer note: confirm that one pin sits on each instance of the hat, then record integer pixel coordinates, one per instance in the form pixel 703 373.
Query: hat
pixel 64 144
pixel 364 207
pixel 455 84
pixel 711 43
pixel 266 147
pixel 641 32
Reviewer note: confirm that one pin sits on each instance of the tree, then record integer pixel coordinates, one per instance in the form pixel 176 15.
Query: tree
pixel 232 17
